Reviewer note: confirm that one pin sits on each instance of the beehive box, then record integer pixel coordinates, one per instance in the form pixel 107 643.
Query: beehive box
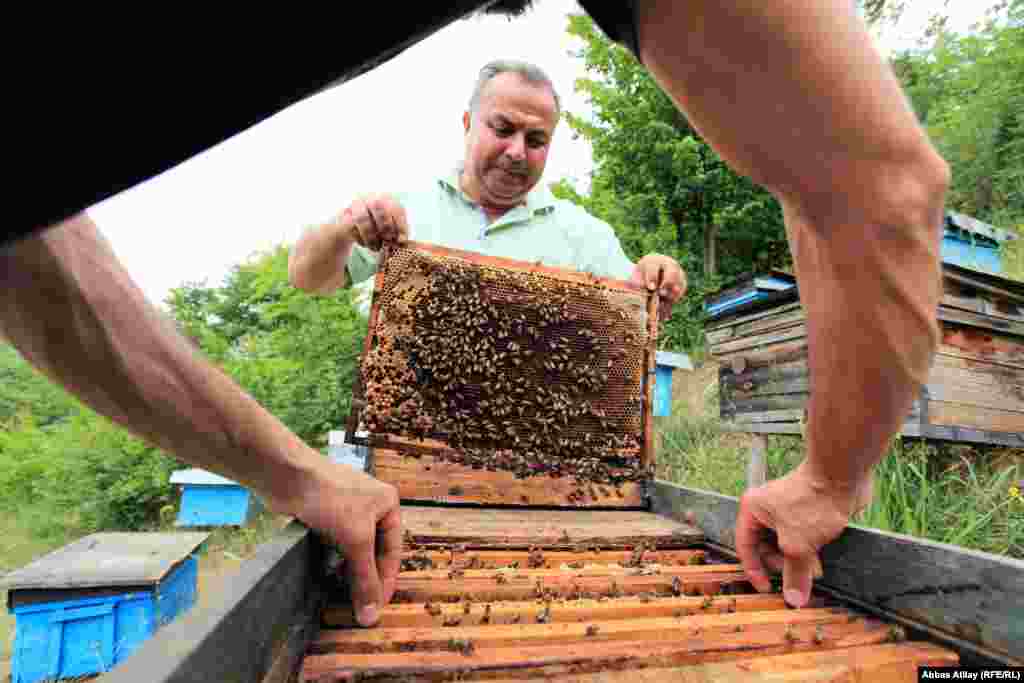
pixel 494 381
pixel 85 608
pixel 975 392
pixel 208 499
pixel 588 596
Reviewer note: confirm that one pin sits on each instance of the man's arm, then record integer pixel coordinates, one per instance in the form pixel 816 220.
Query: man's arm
pixel 319 262
pixel 794 95
pixel 74 313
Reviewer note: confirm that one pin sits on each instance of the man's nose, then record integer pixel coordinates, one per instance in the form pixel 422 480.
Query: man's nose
pixel 517 147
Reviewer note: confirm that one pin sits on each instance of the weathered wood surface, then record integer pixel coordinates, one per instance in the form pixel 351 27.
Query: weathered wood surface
pixel 945 413
pixel 757 464
pixel 965 596
pixel 381 640
pixel 513 528
pixel 104 560
pixel 970 344
pixel 690 647
pixel 573 611
pixel 429 478
pixel 517 586
pixel 497 559
pixel 757 342
pixel 255 630
pixel 965 435
pixel 890 663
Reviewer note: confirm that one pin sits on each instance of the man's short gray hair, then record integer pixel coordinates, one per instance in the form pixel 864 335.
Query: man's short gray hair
pixel 529 72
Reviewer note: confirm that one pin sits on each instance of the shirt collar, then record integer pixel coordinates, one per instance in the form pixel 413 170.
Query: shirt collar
pixel 537 199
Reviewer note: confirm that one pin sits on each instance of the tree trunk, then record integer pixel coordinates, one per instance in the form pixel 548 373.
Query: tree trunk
pixel 710 249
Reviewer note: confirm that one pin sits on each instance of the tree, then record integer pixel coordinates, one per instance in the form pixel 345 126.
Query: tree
pixel 661 186
pixel 296 354
pixel 969 92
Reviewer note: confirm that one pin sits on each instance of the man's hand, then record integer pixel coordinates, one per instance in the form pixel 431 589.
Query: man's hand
pixel 317 263
pixel 804 513
pixel 375 219
pixel 654 268
pixel 361 515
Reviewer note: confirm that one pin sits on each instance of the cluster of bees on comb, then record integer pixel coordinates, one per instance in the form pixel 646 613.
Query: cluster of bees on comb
pixel 506 369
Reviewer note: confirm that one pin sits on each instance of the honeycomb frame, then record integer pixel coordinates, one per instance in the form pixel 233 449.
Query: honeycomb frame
pixel 501 364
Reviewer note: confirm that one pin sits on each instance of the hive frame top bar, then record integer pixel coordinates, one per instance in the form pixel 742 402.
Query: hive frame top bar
pixel 644 305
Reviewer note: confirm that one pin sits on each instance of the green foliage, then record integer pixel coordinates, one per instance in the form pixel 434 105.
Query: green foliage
pixel 919 491
pixel 661 186
pixel 296 354
pixel 23 389
pixel 64 470
pixel 969 92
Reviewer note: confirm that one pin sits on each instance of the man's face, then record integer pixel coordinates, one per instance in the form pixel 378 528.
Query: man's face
pixel 508 138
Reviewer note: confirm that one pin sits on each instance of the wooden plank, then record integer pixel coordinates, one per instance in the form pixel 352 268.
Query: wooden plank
pixel 759 341
pixel 768 416
pixel 981 320
pixel 773 355
pixel 765 405
pixel 757 465
pixel 256 628
pixel 511 528
pixel 888 663
pixel 759 374
pixel 382 640
pixel 968 600
pixel 780 320
pixel 428 478
pixel 592 655
pixel 588 570
pixel 763 428
pixel 495 559
pixel 1004 292
pixel 573 611
pixel 972 344
pixel 739 320
pixel 562 585
pixel 980 373
pixel 946 413
pixel 992 398
pixel 799 385
pixel 965 435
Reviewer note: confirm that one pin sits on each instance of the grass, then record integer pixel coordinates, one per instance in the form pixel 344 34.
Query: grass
pixel 958 495
pixel 222 554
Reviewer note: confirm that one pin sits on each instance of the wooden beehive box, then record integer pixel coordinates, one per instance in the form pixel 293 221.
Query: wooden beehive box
pixel 975 392
pixel 493 381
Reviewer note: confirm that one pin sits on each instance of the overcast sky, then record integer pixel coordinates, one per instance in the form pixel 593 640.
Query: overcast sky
pixel 379 132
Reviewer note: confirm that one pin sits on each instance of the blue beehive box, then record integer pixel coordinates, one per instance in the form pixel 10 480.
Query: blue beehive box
pixel 970 243
pixel 84 608
pixel 208 499
pixel 666 363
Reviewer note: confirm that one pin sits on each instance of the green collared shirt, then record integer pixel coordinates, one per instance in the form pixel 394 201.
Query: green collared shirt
pixel 555 232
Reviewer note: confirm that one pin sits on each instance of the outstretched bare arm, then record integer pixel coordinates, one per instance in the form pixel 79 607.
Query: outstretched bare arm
pixel 794 95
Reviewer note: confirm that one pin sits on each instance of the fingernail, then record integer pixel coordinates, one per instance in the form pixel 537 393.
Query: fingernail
pixel 367 616
pixel 650 286
pixel 794 598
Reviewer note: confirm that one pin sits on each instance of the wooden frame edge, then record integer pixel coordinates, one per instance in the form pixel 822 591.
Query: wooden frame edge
pixel 255 631
pixel 932 588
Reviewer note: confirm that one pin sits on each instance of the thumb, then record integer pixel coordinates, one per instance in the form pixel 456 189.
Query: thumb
pixel 797 574
pixel 364 583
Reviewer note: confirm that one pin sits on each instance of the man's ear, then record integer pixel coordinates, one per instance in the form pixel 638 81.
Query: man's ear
pixel 465 121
